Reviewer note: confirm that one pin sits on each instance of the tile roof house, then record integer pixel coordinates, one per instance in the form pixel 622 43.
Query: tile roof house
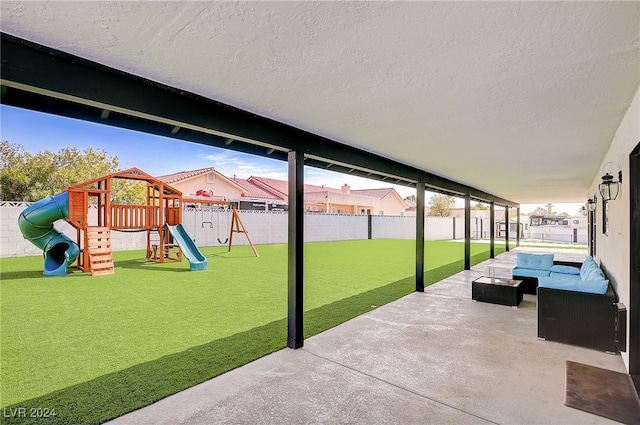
pixel 337 201
pixel 209 183
pixel 205 183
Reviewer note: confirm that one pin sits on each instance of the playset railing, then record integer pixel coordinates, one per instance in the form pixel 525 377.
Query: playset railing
pixel 130 217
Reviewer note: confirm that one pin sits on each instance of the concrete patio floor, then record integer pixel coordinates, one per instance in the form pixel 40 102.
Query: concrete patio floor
pixel 429 358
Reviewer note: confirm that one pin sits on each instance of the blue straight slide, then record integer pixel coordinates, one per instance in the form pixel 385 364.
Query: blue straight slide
pixel 189 249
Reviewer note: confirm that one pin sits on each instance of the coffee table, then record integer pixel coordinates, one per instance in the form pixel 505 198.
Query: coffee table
pixel 497 290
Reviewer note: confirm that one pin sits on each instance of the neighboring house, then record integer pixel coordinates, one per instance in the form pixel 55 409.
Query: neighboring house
pixel 260 193
pixel 204 183
pixel 391 203
pixel 336 201
pixel 261 196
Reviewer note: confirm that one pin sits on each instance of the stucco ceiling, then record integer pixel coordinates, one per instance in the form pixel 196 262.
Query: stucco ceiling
pixel 520 99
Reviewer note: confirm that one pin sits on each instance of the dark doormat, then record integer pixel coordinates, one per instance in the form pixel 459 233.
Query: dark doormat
pixel 602 392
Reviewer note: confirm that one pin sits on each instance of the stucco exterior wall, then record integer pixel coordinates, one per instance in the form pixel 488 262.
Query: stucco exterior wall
pixel 612 250
pixel 392 205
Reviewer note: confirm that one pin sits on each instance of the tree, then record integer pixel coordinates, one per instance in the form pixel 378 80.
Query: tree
pixel 411 198
pixel 14 181
pixel 539 211
pixel 128 192
pixel 440 205
pixel 30 177
pixel 480 206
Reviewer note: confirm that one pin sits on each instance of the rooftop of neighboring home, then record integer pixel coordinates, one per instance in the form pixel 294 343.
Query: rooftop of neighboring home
pixel 184 175
pixel 257 187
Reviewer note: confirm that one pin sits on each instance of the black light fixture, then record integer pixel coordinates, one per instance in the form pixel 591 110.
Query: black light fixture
pixel 591 203
pixel 609 188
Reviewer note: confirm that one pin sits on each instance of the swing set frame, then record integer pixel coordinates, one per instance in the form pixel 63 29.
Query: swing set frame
pixel 237 226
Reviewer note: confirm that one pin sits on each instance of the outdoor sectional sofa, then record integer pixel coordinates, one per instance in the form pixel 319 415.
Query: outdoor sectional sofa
pixel 577 305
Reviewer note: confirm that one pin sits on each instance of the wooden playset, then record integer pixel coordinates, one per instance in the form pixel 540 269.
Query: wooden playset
pixel 163 207
pixel 161 218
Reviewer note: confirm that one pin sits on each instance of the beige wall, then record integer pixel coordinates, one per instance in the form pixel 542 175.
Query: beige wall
pixel 612 250
pixel 219 185
pixel 392 205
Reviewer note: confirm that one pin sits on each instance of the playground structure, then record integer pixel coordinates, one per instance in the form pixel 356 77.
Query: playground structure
pixel 161 218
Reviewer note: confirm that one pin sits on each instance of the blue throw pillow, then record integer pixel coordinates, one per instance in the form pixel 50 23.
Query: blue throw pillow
pixel 595 274
pixel 587 267
pixel 534 261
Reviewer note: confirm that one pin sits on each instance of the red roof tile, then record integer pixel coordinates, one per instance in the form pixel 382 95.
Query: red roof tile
pixel 183 175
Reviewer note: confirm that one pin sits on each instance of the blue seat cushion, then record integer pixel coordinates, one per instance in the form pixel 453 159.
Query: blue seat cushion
pixel 530 272
pixel 534 261
pixel 566 284
pixel 589 286
pixel 570 270
pixel 556 275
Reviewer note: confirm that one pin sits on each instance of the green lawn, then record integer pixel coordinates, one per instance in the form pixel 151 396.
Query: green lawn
pixel 93 348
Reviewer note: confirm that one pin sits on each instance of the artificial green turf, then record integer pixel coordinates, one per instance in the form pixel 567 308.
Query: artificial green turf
pixel 94 348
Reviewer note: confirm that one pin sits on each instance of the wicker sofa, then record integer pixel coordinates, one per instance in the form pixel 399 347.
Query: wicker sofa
pixel 568 312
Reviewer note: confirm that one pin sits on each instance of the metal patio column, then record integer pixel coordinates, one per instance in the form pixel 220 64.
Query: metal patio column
pixel 506 222
pixel 467 231
pixel 517 226
pixel 295 334
pixel 492 230
pixel 633 343
pixel 420 195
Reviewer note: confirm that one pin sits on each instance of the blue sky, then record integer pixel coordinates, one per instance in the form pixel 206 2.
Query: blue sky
pixel 154 154
pixel 157 155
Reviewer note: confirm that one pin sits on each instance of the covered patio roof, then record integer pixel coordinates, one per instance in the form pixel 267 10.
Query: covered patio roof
pixel 515 99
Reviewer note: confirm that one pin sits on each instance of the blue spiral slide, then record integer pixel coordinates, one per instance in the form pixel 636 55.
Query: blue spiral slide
pixel 36 225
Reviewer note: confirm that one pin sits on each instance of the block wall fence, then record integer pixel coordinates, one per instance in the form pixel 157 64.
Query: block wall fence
pixel 206 226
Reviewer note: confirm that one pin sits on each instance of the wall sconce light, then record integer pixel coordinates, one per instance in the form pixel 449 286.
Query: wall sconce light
pixel 610 188
pixel 591 203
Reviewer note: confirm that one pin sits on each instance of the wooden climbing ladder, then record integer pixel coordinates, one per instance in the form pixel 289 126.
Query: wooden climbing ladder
pixel 99 248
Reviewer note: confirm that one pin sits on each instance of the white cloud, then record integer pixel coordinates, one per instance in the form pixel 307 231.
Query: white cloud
pixel 243 165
